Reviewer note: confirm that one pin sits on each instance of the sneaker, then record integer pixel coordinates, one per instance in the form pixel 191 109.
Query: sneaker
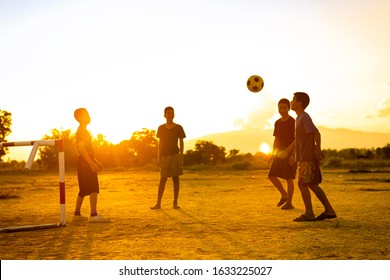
pixel 79 218
pixel 98 219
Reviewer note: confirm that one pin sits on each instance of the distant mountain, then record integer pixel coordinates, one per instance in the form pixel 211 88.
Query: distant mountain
pixel 342 138
pixel 249 140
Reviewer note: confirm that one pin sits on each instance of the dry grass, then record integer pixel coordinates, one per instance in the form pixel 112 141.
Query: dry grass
pixel 227 215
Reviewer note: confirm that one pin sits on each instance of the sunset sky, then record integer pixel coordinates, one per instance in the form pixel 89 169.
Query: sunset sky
pixel 126 60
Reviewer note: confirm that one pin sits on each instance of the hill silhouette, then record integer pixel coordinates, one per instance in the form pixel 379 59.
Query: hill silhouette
pixel 248 140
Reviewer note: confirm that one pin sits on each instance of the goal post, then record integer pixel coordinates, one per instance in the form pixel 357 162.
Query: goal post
pixel 59 143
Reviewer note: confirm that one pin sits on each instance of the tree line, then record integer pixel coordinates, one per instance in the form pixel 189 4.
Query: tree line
pixel 142 150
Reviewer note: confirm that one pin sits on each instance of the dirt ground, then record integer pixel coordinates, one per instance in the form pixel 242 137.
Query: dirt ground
pixel 224 216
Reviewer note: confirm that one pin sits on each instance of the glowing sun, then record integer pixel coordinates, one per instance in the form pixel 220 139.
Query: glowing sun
pixel 265 148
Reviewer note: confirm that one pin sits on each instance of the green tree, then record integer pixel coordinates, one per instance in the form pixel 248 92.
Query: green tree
pixel 105 151
pixel 233 153
pixel 234 156
pixel 386 151
pixel 192 157
pixel 5 129
pixel 125 154
pixel 49 154
pixel 206 152
pixel 328 153
pixel 144 146
pixel 349 153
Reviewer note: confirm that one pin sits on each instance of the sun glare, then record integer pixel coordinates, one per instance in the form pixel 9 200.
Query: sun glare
pixel 265 148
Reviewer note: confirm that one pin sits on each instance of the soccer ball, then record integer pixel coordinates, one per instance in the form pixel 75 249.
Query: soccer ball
pixel 255 83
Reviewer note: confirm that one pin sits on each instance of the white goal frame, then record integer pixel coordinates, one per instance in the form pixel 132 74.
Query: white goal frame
pixel 59 143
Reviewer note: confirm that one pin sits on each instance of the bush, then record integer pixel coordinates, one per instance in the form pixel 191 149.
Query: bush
pixel 334 162
pixel 245 165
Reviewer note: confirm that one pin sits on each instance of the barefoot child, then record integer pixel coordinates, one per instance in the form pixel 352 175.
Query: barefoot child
pixel 170 156
pixel 281 168
pixel 308 156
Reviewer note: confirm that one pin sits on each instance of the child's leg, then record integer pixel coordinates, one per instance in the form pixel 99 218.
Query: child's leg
pixel 290 191
pixel 280 188
pixel 176 189
pixel 161 188
pixel 93 197
pixel 93 201
pixel 319 192
pixel 79 203
pixel 306 197
pixel 304 179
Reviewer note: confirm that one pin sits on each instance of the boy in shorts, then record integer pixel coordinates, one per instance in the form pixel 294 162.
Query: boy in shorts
pixel 308 156
pixel 170 156
pixel 284 132
pixel 87 168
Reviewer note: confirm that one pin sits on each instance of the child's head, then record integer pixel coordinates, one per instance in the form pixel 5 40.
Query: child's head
pixel 82 116
pixel 169 113
pixel 302 97
pixel 169 108
pixel 283 107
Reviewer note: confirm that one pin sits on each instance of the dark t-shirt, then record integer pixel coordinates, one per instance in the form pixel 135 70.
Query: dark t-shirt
pixel 305 145
pixel 169 139
pixel 83 135
pixel 285 133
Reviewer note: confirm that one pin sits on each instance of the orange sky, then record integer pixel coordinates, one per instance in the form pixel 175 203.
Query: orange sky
pixel 126 60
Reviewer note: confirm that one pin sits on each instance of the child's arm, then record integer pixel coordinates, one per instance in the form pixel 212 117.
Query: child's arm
pixel 287 151
pixel 98 164
pixel 181 147
pixel 317 140
pixel 158 155
pixel 293 158
pixel 274 149
pixel 291 147
pixel 85 155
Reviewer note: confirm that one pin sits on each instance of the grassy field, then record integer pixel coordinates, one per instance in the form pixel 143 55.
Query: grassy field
pixel 225 215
